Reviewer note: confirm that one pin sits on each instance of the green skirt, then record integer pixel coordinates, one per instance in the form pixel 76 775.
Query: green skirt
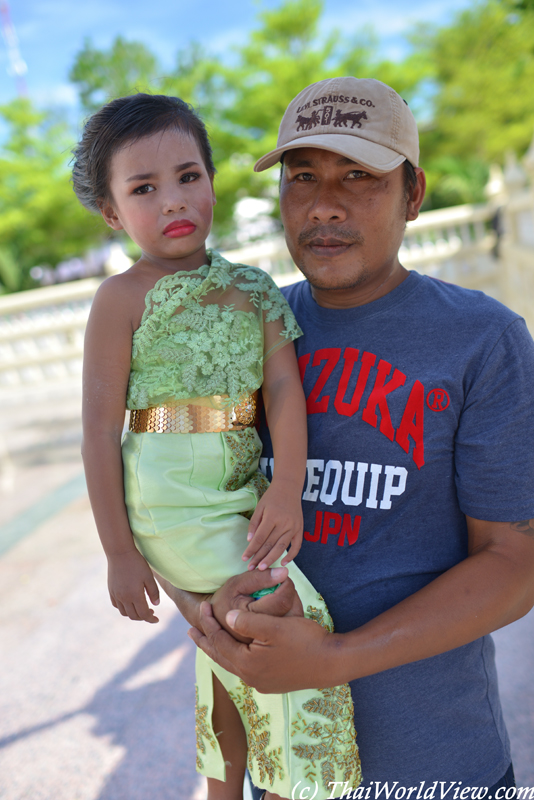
pixel 188 498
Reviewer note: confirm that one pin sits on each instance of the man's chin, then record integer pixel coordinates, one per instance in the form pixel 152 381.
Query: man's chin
pixel 331 280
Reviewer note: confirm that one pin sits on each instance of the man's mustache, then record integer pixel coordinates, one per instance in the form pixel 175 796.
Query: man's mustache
pixel 341 235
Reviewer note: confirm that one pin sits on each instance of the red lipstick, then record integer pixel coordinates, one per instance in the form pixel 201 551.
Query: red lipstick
pixel 180 227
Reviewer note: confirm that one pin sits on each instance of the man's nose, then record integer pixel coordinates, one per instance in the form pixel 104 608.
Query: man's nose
pixel 327 205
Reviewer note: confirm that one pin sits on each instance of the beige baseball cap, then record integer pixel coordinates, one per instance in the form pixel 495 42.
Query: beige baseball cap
pixel 361 118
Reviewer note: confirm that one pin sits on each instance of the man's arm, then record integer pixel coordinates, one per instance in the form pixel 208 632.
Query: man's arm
pixel 492 587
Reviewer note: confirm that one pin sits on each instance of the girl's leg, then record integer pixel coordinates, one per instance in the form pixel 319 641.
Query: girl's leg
pixel 233 743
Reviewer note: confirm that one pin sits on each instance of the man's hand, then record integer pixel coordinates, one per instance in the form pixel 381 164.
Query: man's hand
pixel 236 593
pixel 130 579
pixel 490 588
pixel 285 655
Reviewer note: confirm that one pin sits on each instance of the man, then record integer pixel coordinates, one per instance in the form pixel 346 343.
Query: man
pixel 421 441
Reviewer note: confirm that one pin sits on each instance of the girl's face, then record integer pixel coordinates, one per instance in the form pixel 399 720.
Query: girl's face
pixel 162 196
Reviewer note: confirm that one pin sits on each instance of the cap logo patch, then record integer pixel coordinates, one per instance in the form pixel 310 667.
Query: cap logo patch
pixel 341 120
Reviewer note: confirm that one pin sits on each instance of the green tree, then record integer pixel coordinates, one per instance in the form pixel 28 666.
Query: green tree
pixel 41 220
pixel 520 5
pixel 243 103
pixel 472 82
pixel 452 181
pixel 101 76
pixel 482 70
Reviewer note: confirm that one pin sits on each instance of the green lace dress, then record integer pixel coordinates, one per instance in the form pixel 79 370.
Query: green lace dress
pixel 203 339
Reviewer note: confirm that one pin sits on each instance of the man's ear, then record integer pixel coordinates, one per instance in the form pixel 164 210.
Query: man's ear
pixel 110 216
pixel 418 195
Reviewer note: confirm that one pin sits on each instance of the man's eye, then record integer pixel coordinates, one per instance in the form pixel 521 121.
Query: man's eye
pixel 189 177
pixel 304 176
pixel 144 189
pixel 356 173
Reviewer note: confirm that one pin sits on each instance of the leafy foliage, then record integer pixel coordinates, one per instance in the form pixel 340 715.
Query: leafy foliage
pixel 482 69
pixel 101 75
pixel 452 181
pixel 243 103
pixel 40 219
pixel 471 83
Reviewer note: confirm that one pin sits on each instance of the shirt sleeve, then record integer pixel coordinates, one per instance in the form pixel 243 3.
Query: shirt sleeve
pixel 279 324
pixel 494 446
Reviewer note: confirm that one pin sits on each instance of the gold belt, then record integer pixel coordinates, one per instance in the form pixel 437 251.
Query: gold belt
pixel 195 419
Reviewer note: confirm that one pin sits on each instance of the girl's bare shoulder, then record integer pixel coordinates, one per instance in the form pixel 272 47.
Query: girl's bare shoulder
pixel 123 295
pixel 129 284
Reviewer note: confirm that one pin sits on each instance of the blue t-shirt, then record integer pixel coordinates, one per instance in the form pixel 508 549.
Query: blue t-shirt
pixel 420 411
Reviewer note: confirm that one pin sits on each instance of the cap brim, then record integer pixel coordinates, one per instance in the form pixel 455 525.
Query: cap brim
pixel 369 154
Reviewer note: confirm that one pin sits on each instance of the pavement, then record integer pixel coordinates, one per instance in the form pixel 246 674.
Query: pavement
pixel 94 706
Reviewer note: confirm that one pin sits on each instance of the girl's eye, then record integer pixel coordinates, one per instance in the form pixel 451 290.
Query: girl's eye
pixel 189 177
pixel 144 189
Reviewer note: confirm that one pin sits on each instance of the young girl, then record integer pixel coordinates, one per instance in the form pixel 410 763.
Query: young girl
pixel 184 340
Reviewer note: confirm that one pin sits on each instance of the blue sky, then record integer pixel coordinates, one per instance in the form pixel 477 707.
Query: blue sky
pixel 51 32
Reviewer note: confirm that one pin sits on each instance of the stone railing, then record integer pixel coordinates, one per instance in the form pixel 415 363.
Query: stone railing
pixel 454 244
pixel 516 261
pixel 448 239
pixel 41 339
pixel 488 247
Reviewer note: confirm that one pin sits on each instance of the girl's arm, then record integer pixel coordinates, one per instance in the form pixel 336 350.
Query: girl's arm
pixel 107 354
pixel 277 521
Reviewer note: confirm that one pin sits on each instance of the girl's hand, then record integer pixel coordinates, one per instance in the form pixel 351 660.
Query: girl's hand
pixel 237 593
pixel 276 523
pixel 129 577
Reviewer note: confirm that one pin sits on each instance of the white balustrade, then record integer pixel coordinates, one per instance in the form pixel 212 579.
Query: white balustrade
pixel 41 339
pixel 41 331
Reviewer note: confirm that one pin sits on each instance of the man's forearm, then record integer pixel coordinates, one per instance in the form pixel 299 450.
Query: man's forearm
pixel 477 596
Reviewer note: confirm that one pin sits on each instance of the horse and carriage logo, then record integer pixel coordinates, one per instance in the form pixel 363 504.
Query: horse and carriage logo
pixel 341 119
pixel 307 123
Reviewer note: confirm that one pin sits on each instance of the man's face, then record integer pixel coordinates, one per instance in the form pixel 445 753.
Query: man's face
pixel 344 224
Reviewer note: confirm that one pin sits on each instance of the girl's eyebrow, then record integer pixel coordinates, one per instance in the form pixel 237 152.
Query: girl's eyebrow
pixel 147 175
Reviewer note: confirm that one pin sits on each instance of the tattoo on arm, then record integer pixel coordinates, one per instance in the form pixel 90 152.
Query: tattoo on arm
pixel 525 526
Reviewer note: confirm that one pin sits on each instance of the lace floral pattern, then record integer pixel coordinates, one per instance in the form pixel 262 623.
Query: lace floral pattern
pixel 331 744
pixel 267 762
pixel 244 449
pixel 202 730
pixel 207 333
